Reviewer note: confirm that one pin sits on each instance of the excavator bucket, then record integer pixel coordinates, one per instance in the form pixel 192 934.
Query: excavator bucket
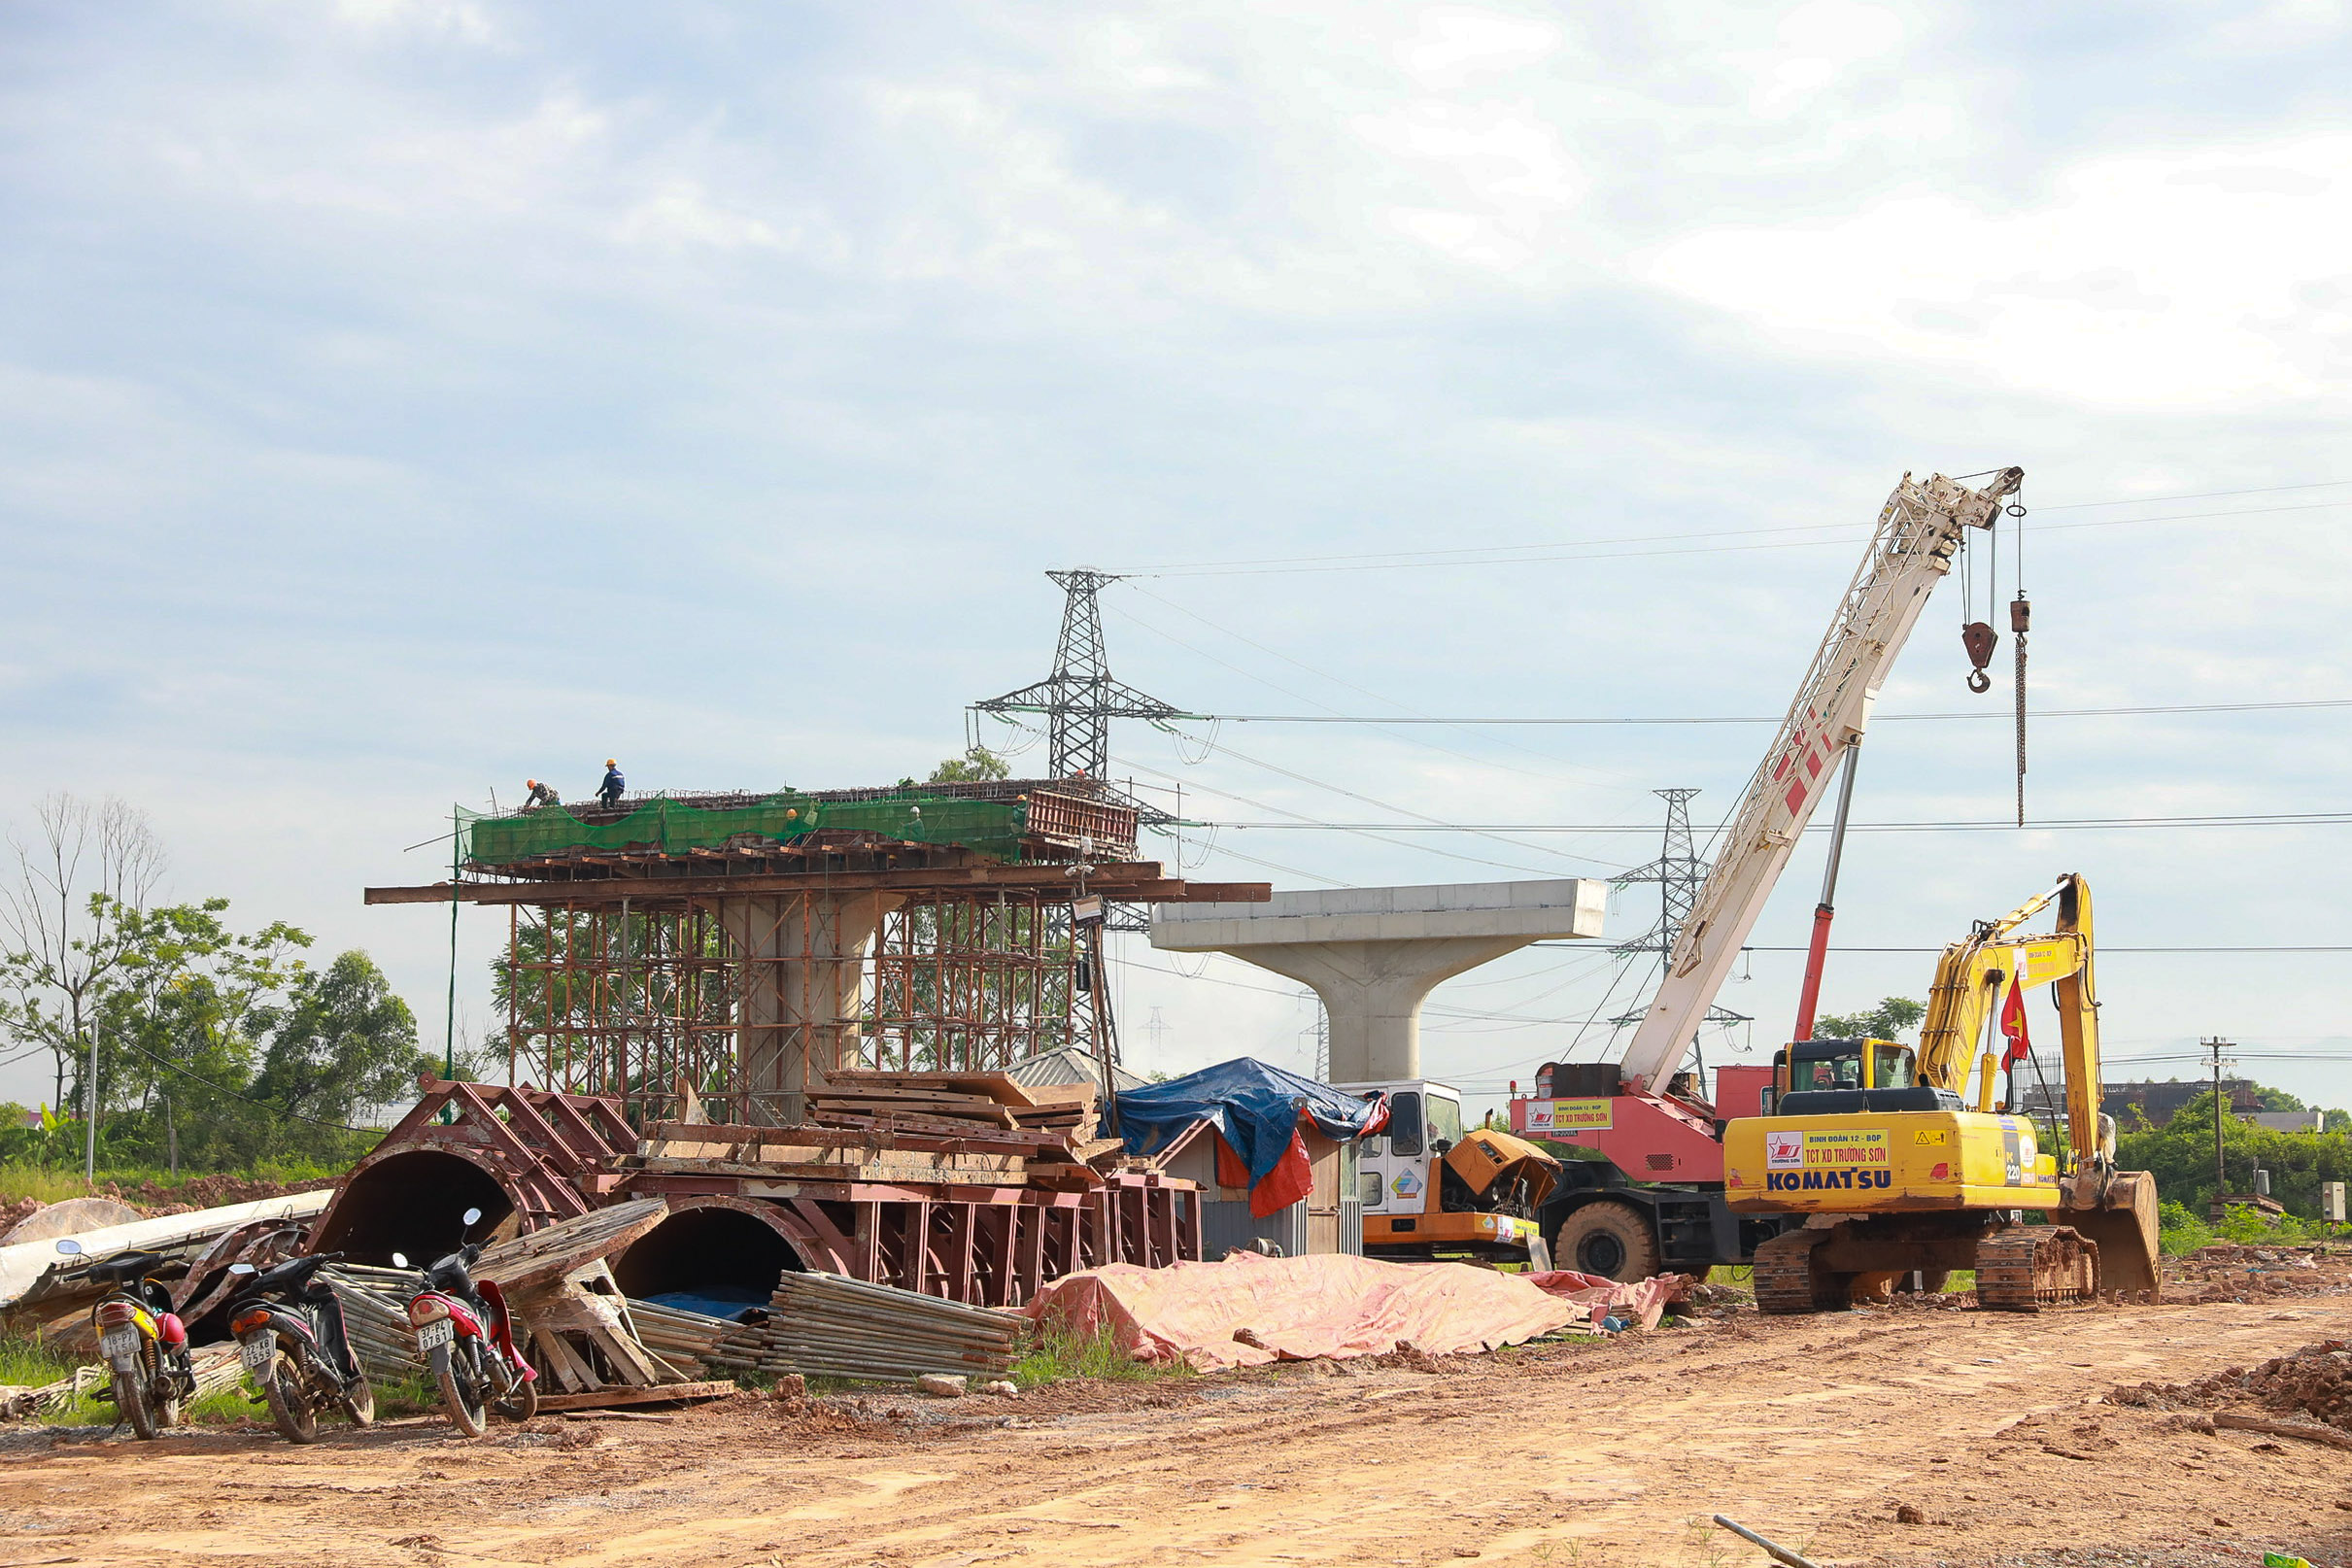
pixel 2121 1217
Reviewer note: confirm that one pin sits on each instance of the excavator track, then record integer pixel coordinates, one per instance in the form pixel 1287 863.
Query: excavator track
pixel 2024 1268
pixel 1789 1279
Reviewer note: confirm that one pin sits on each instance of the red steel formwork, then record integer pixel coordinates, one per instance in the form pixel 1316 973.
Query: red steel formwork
pixel 990 1247
pixel 528 1158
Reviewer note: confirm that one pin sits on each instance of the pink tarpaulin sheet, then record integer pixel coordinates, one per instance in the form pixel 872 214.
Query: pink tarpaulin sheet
pixel 1297 1309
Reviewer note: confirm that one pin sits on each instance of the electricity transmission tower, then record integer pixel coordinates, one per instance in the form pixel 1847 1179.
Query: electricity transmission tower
pixel 1679 873
pixel 1082 697
pixel 1318 1032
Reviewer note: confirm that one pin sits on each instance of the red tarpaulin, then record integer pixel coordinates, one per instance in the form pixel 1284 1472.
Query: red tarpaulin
pixel 1644 1300
pixel 1297 1309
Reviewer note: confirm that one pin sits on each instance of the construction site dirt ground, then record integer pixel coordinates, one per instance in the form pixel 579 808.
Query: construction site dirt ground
pixel 1988 1429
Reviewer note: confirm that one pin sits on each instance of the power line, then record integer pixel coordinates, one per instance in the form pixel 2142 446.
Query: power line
pixel 1775 718
pixel 257 1105
pixel 2197 495
pixel 1584 550
pixel 2104 951
pixel 1412 715
pixel 2275 819
pixel 1305 821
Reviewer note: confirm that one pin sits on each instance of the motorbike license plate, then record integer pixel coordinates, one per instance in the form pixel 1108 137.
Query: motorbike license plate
pixel 116 1342
pixel 436 1333
pixel 257 1352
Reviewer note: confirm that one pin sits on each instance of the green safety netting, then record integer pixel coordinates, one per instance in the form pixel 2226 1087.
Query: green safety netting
pixel 991 828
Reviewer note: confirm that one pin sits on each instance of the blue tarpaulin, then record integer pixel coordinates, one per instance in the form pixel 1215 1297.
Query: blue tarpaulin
pixel 1254 1107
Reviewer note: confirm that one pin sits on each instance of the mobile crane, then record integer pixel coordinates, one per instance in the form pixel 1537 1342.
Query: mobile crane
pixel 1895 1172
pixel 1656 1198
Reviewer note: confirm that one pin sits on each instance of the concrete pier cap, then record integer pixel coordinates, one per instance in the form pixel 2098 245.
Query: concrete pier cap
pixel 1374 954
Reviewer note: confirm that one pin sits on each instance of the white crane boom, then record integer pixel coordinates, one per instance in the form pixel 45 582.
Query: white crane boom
pixel 1918 534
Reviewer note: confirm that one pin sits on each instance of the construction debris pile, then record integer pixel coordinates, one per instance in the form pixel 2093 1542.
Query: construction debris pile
pixel 952 1128
pixel 46 1295
pixel 216 1366
pixel 2315 1381
pixel 827 1326
pixel 2229 1272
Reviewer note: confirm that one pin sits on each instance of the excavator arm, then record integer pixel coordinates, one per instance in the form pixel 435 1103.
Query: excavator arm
pixel 1974 975
pixel 2116 1209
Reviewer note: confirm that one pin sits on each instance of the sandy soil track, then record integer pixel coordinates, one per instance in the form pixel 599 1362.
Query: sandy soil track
pixel 1988 1427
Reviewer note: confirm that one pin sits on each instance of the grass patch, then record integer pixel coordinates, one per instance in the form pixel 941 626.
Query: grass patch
pixel 2178 1231
pixel 27 1363
pixel 2249 1226
pixel 1056 1353
pixel 54 1184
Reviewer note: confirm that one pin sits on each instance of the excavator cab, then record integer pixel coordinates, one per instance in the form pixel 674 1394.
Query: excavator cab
pixel 1842 1066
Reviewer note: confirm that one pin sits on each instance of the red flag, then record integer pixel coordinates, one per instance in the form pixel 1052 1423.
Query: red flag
pixel 2013 1025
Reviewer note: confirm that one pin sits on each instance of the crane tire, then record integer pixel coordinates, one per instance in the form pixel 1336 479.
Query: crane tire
pixel 1609 1238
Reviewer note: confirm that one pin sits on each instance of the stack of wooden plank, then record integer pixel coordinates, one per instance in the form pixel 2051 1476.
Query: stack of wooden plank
pixel 830 1326
pixel 583 1339
pixel 577 1326
pixel 955 1129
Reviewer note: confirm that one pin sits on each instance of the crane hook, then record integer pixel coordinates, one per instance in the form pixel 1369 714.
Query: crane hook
pixel 1979 640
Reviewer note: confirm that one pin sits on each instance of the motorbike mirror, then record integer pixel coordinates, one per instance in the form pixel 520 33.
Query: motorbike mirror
pixel 400 1260
pixel 69 1247
pixel 472 1216
pixel 243 1268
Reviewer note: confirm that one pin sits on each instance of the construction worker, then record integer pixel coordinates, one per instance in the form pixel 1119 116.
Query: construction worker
pixel 609 792
pixel 540 795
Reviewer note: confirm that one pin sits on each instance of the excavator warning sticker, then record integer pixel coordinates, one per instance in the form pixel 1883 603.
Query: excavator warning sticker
pixel 1570 1116
pixel 1929 1135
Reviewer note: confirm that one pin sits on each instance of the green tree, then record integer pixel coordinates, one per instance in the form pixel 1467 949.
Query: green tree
pixel 341 1047
pixel 976 765
pixel 1891 1019
pixel 2180 1156
pixel 87 866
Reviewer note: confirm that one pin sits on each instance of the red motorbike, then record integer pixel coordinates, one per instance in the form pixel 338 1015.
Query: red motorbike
pixel 465 1332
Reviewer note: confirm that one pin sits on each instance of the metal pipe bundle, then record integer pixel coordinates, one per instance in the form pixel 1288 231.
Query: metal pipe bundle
pixel 375 1318
pixel 828 1325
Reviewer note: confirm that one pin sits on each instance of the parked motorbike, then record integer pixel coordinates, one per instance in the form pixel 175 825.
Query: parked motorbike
pixel 289 1327
pixel 141 1338
pixel 464 1330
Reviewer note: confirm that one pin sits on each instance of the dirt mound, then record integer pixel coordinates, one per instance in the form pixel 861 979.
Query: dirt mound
pixel 209 1192
pixel 2315 1380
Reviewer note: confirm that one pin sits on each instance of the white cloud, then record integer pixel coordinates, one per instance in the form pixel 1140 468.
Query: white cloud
pixel 2203 279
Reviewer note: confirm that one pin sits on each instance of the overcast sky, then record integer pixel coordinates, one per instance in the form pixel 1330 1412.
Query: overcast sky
pixel 402 397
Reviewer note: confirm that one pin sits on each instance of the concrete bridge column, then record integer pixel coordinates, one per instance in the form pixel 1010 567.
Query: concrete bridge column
pixel 803 960
pixel 1373 955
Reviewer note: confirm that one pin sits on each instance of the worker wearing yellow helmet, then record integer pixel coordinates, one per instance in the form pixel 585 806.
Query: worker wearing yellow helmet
pixel 540 795
pixel 609 792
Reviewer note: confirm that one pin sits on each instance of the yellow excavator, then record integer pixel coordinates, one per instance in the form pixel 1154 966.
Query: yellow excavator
pixel 1898 1173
